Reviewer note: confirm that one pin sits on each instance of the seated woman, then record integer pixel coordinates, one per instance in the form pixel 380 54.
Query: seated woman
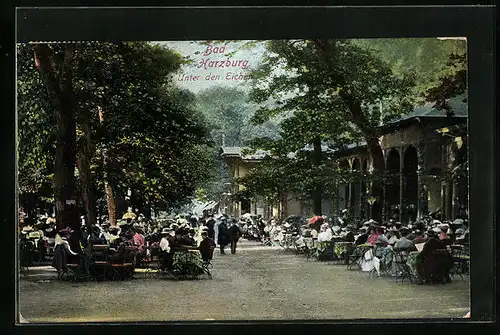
pixel 63 254
pixel 375 232
pixel 114 237
pixel 433 263
pixel 139 240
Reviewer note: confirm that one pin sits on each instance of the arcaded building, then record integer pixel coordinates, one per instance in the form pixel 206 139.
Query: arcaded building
pixel 426 167
pixel 426 171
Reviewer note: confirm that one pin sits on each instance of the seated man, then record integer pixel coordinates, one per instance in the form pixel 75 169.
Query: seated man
pixel 206 247
pixel 175 244
pixel 122 255
pixel 96 237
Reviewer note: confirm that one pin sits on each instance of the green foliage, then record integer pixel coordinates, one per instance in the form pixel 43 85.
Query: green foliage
pixel 36 131
pixel 306 82
pixel 155 140
pixel 427 57
pixel 452 82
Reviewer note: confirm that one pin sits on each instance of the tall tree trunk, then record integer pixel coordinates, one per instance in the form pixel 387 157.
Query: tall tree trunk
pixel 283 205
pixel 317 196
pixel 373 143
pixel 86 150
pixel 110 198
pixel 359 119
pixel 83 161
pixel 57 79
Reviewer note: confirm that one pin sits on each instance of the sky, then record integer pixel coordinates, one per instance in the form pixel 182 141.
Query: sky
pixel 209 64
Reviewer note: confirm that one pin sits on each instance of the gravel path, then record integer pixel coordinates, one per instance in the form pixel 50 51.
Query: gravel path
pixel 257 283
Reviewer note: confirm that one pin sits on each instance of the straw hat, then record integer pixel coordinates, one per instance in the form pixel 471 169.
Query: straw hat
pixel 27 229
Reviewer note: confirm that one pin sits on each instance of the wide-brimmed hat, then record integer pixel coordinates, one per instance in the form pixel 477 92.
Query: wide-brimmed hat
pixel 436 229
pixel 382 239
pixel 27 229
pixel 443 226
pixel 166 230
pixel 404 230
pixel 458 222
pixel 393 240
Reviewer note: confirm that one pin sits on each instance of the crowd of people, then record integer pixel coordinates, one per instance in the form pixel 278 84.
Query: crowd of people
pixel 426 240
pixel 132 238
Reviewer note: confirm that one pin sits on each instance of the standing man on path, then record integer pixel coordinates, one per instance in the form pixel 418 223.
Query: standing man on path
pixel 210 225
pixel 234 235
pixel 223 236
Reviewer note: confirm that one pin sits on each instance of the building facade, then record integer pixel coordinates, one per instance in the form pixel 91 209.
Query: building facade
pixel 426 171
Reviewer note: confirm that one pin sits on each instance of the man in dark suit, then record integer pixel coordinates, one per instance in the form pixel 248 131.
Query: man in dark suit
pixel 206 247
pixel 234 235
pixel 210 226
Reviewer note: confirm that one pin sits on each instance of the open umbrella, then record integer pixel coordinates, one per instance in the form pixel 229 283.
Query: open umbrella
pixel 315 219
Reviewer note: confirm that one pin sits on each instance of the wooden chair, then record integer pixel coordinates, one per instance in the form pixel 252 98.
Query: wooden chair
pixel 356 256
pixel 400 259
pixel 461 260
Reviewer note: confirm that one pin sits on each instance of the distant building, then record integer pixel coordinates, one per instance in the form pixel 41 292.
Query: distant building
pixel 426 166
pixel 426 171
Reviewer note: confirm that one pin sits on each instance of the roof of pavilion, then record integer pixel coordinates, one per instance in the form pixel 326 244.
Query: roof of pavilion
pixel 424 115
pixel 238 152
pixel 260 154
pixel 429 114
